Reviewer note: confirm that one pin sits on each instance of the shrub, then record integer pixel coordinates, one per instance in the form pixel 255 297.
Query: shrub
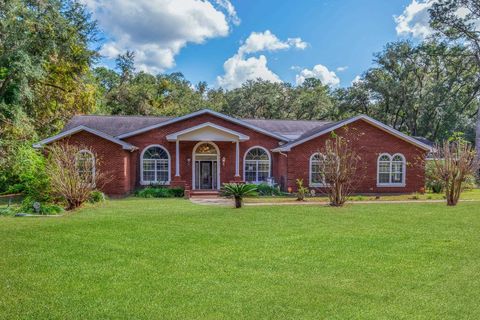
pixel 96 196
pixel 470 182
pixel 33 181
pixel 431 181
pixel 74 173
pixel 264 189
pixel 238 191
pixel 454 162
pixel 45 208
pixel 301 190
pixel 7 211
pixel 177 192
pixel 160 192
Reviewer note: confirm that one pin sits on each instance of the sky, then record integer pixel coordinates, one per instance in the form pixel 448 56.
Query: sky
pixel 227 42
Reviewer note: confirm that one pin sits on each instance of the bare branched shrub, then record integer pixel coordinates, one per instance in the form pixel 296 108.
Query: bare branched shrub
pixel 341 168
pixel 74 173
pixel 454 162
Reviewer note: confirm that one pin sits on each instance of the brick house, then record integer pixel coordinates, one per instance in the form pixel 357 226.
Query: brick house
pixel 202 150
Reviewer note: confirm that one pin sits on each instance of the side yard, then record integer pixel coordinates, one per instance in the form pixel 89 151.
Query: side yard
pixel 171 259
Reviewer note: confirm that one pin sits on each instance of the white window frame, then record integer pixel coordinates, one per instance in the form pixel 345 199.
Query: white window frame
pixel 94 170
pixel 194 157
pixel 310 173
pixel 143 182
pixel 390 172
pixel 256 174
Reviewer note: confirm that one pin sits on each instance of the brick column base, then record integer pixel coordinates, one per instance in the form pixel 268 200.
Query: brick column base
pixel 177 182
pixel 237 179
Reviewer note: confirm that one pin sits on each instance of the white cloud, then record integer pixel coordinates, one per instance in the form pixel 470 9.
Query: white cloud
pixel 156 30
pixel 320 72
pixel 232 13
pixel 267 41
pixel 240 68
pixel 415 19
pixel 297 43
pixel 341 69
pixel 357 79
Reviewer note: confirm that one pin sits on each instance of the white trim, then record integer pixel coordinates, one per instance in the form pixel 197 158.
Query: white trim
pixel 310 183
pixel 269 166
pixel 177 158
pixel 145 183
pixel 404 171
pixel 193 162
pixel 175 136
pixel 237 159
pixel 373 122
pixel 200 112
pixel 125 145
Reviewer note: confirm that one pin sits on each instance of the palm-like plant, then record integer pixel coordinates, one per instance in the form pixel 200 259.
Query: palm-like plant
pixel 238 191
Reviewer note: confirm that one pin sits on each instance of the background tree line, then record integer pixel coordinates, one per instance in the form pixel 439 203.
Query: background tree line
pixel 48 74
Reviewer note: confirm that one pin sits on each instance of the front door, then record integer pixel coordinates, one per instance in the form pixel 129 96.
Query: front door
pixel 205 175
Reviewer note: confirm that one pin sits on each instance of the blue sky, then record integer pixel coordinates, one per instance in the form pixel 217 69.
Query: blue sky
pixel 197 37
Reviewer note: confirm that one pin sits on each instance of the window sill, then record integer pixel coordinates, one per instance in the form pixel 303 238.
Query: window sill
pixel 155 184
pixel 391 185
pixel 318 185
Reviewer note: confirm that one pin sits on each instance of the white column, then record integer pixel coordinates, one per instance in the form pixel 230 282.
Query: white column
pixel 177 158
pixel 237 160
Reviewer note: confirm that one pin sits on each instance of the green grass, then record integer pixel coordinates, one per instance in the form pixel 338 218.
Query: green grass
pixel 170 259
pixel 466 195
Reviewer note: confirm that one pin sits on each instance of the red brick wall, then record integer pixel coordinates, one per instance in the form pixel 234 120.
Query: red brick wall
pixel 114 161
pixel 372 142
pixel 124 165
pixel 227 149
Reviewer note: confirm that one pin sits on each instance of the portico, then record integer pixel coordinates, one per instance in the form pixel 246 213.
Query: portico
pixel 207 158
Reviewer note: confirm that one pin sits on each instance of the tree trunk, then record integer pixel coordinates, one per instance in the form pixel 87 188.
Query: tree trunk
pixel 238 202
pixel 477 136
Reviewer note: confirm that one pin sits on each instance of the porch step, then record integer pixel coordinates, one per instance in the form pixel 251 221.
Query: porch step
pixel 204 193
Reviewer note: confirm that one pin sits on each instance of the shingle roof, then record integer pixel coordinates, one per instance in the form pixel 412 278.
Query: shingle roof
pixel 118 125
pixel 294 131
pixel 291 129
pixel 114 125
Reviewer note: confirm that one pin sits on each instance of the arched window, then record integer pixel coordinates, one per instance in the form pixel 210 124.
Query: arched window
pixel 155 165
pixel 391 170
pixel 86 165
pixel 317 169
pixel 257 165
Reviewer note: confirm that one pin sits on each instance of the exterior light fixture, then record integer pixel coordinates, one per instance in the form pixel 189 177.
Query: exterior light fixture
pixel 223 161
pixel 189 161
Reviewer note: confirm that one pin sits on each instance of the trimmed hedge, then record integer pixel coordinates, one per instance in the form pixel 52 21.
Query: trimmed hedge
pixel 160 192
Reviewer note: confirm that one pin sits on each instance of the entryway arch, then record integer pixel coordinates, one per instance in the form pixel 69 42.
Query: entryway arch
pixel 206 166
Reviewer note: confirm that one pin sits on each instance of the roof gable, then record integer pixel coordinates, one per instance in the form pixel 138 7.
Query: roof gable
pixel 333 126
pixel 208 132
pixel 67 133
pixel 202 112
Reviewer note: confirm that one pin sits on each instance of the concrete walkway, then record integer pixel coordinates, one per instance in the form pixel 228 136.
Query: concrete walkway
pixel 212 201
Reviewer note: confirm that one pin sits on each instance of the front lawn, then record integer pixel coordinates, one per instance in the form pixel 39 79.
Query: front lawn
pixel 171 259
